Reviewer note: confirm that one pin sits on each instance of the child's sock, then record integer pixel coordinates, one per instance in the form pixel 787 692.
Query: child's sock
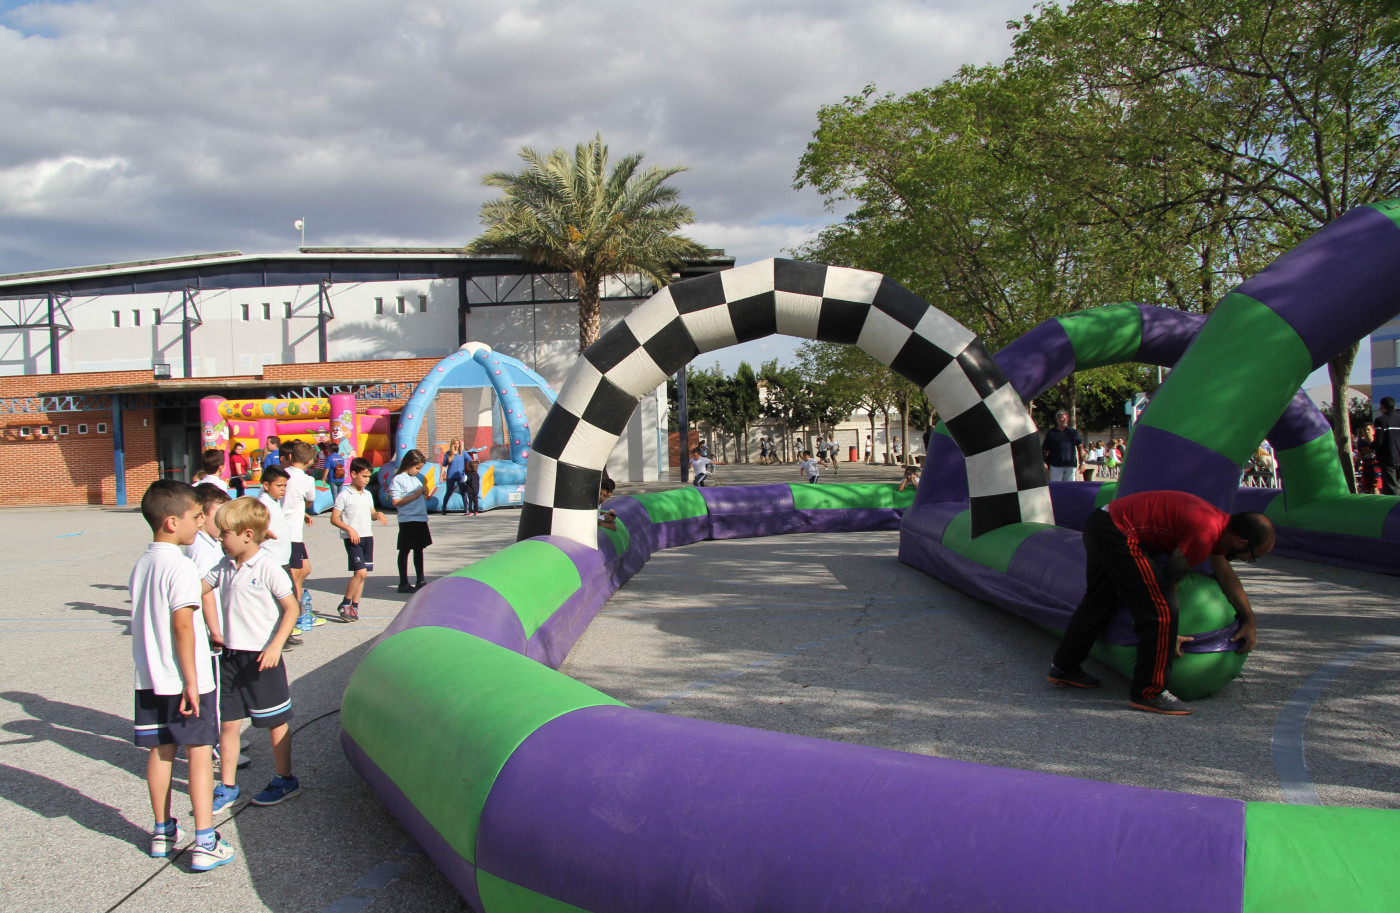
pixel 205 837
pixel 165 827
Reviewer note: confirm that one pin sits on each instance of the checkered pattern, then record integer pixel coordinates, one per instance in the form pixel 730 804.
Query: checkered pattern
pixel 1006 474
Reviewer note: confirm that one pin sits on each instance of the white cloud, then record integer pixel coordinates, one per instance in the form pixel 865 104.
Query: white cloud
pixel 142 128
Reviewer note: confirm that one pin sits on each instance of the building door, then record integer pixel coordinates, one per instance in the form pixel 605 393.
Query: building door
pixel 177 451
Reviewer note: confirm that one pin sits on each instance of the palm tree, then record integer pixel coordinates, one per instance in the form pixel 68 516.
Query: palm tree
pixel 570 213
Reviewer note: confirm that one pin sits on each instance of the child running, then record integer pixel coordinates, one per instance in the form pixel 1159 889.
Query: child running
pixel 257 616
pixel 354 515
pixel 699 467
pixel 810 466
pixel 410 496
pixel 176 697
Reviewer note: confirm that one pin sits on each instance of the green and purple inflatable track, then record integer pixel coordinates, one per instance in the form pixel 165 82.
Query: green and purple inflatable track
pixel 534 792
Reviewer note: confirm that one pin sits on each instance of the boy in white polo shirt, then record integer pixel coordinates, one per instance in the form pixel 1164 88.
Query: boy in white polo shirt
pixel 205 550
pixel 354 515
pixel 279 540
pixel 258 613
pixel 176 697
pixel 297 503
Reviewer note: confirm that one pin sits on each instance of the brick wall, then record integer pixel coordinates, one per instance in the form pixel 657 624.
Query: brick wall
pixel 72 468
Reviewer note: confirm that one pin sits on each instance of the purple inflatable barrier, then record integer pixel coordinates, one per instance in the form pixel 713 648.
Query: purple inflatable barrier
pixel 638 813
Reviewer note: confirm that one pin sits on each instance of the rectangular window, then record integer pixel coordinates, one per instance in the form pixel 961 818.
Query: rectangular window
pixel 267 311
pixel 401 309
pixel 422 304
pixel 43 431
pixel 101 427
pixel 286 309
pixel 245 312
pixel 116 318
pixel 82 429
pixel 62 429
pixel 155 316
pixel 24 432
pixel 136 317
pixel 379 306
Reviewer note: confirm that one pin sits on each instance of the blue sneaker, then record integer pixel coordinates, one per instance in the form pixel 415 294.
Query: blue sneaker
pixel 280 788
pixel 164 843
pixel 224 796
pixel 306 622
pixel 205 858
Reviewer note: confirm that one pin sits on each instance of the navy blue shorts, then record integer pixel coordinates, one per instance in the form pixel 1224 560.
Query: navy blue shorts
pixel 160 722
pixel 247 691
pixel 299 555
pixel 361 554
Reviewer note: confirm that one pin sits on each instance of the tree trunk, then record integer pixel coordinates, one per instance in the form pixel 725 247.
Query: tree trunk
pixel 886 412
pixel 871 455
pixel 1339 370
pixel 590 311
pixel 904 429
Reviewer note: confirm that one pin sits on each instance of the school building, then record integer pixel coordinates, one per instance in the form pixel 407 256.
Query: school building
pixel 102 367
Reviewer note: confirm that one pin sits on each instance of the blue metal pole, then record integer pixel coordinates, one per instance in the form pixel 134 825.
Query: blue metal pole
pixel 683 414
pixel 119 449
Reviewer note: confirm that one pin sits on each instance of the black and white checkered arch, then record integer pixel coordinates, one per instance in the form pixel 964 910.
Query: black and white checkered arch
pixel 1006 474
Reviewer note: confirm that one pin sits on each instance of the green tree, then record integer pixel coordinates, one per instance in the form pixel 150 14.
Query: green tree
pixel 570 213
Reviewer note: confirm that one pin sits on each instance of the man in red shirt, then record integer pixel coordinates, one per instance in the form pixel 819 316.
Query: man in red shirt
pixel 1119 541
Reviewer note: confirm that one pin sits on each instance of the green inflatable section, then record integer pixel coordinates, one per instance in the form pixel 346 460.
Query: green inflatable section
pixel 441 711
pixel 498 894
pixel 993 549
pixel 619 537
pixel 682 503
pixel 1312 470
pixel 1390 208
pixel 1104 336
pixel 533 577
pixel 1211 363
pixel 1358 515
pixel 847 496
pixel 1304 858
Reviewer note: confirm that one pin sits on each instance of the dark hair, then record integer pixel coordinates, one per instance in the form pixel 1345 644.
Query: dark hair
pixel 274 439
pixel 212 461
pixel 210 496
pixel 166 498
pixel 607 484
pixel 284 449
pixel 1387 402
pixel 411 459
pixel 273 473
pixel 1252 526
pixel 360 464
pixel 302 452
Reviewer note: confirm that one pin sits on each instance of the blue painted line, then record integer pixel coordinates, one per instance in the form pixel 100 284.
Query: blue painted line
pixel 1287 744
pixel 696 687
pixel 68 535
pixel 361 893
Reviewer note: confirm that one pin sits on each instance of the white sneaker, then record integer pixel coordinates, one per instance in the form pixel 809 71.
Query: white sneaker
pixel 162 845
pixel 211 858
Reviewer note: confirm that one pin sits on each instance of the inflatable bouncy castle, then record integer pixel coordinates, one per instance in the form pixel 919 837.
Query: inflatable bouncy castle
pixel 226 422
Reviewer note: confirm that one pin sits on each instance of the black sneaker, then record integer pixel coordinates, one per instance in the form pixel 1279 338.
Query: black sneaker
pixel 291 641
pixel 1080 679
pixel 407 588
pixel 1166 703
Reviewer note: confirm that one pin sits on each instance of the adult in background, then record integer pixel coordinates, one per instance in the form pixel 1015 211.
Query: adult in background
pixel 237 469
pixel 1119 542
pixel 1387 426
pixel 454 472
pixel 1368 467
pixel 1063 449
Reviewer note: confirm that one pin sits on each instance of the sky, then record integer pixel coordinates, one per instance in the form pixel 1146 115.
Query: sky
pixel 137 129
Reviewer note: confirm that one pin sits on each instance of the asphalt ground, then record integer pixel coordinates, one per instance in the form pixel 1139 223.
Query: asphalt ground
pixel 820 635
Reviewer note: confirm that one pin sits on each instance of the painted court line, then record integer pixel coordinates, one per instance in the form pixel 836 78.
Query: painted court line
pixel 1287 744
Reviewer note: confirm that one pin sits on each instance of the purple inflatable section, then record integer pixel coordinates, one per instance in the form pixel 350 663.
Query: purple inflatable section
pixel 1156 459
pixel 746 819
pixel 457 870
pixel 1038 360
pixel 464 605
pixel 1352 263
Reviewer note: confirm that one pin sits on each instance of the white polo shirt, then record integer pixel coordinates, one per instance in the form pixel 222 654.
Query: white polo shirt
pixel 301 493
pixel 280 548
pixel 205 552
pixel 163 581
pixel 356 511
pixel 248 596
